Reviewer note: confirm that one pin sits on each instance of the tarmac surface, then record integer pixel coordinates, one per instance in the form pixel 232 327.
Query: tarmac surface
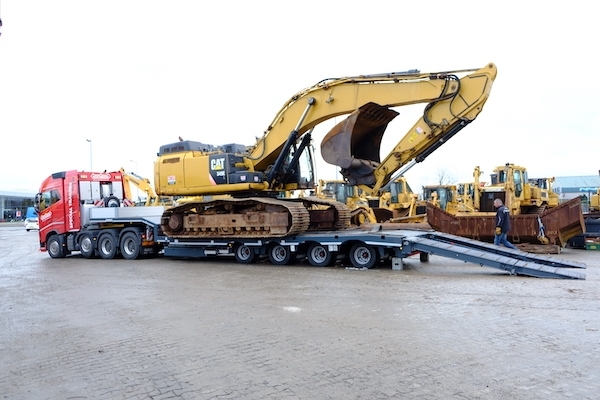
pixel 197 329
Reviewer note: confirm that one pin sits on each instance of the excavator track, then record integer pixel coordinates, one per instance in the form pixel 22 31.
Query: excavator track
pixel 253 217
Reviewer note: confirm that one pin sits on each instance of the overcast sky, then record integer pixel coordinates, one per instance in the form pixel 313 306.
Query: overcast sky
pixel 133 75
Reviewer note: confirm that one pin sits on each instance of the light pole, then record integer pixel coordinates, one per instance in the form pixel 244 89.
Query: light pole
pixel 136 165
pixel 90 142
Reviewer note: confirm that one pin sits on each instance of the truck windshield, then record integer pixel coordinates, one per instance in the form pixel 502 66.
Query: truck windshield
pixel 46 199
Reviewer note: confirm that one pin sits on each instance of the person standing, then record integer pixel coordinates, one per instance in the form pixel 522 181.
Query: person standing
pixel 502 225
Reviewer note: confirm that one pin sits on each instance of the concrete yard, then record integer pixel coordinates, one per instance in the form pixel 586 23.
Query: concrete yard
pixel 180 329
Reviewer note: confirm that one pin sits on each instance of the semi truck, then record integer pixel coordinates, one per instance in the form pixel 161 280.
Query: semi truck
pixel 88 212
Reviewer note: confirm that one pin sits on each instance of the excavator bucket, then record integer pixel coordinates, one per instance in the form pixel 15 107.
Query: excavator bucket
pixel 358 137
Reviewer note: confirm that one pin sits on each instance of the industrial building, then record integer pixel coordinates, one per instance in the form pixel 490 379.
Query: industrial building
pixel 14 205
pixel 569 187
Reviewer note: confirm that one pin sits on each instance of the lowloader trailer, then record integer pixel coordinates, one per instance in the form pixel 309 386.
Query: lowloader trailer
pixel 366 249
pixel 88 213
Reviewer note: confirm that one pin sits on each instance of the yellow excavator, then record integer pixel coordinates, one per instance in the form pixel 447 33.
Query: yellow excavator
pixel 281 160
pixel 143 184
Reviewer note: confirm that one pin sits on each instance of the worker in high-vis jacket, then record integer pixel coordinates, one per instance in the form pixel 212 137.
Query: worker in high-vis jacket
pixel 502 225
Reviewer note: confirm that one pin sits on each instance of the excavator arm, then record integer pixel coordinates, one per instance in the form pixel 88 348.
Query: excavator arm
pixel 141 183
pixel 451 104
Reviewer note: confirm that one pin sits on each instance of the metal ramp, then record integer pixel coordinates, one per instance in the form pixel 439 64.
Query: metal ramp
pixel 516 262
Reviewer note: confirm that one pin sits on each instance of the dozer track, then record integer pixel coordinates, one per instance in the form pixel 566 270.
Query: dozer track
pixel 253 217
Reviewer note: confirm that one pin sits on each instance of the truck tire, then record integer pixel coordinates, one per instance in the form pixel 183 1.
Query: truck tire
pixel 279 254
pixel 319 256
pixel 130 246
pixel 86 246
pixel 55 247
pixel 112 201
pixel 107 246
pixel 363 256
pixel 245 254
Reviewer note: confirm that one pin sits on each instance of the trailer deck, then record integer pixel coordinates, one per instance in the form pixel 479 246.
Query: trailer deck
pixel 395 244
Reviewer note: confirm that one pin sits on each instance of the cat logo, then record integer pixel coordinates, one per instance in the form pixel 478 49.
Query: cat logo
pixel 217 164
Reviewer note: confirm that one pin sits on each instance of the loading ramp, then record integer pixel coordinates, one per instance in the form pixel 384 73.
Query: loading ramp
pixel 516 262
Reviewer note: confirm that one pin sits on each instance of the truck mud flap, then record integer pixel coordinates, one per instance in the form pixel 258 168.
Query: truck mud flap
pixel 557 225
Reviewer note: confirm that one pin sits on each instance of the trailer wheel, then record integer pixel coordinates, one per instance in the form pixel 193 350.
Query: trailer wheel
pixel 86 246
pixel 130 246
pixel 55 248
pixel 363 256
pixel 319 256
pixel 279 254
pixel 424 256
pixel 107 246
pixel 112 201
pixel 245 254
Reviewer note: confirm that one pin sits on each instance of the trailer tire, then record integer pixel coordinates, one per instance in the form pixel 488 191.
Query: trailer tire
pixel 244 254
pixel 107 246
pixel 86 246
pixel 130 246
pixel 319 256
pixel 424 256
pixel 55 247
pixel 279 254
pixel 112 201
pixel 363 256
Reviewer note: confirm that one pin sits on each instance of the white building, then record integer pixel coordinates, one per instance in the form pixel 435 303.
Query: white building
pixel 569 187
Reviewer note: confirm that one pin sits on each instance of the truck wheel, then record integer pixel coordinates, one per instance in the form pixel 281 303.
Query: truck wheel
pixel 363 256
pixel 279 254
pixel 245 254
pixel 112 201
pixel 86 246
pixel 55 248
pixel 319 256
pixel 107 246
pixel 130 246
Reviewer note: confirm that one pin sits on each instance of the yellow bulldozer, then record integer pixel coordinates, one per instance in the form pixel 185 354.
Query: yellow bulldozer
pixel 397 203
pixel 343 192
pixel 536 215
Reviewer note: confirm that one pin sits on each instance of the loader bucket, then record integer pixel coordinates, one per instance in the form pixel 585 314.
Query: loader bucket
pixel 358 136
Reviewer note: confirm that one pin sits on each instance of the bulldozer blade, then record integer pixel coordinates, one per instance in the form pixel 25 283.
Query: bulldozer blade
pixel 358 136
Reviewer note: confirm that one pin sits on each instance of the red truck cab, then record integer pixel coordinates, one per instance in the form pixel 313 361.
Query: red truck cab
pixel 64 198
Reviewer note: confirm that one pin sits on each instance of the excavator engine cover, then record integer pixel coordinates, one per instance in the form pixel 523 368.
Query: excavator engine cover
pixel 354 143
